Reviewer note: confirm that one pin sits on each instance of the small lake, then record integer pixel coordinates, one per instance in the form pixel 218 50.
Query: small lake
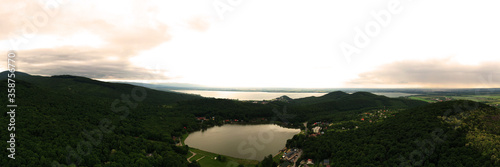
pixel 242 141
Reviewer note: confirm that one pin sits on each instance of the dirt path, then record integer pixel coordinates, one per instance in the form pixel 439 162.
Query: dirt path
pixel 192 156
pixel 200 158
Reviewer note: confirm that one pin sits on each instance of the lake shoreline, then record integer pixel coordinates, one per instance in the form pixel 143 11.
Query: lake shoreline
pixel 234 140
pixel 270 95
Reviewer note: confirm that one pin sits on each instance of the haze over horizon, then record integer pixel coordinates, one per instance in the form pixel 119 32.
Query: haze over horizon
pixel 288 44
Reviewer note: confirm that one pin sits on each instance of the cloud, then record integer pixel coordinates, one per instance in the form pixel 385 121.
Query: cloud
pixel 124 34
pixel 435 73
pixel 83 61
pixel 199 24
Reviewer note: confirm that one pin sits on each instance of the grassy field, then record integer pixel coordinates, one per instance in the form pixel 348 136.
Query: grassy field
pixel 278 157
pixel 209 160
pixel 183 138
pixel 420 98
pixel 490 99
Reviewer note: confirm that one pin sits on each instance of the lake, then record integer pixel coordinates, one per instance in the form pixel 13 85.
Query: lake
pixel 244 95
pixel 242 141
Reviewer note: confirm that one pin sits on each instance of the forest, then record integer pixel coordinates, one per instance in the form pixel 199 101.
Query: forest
pixel 454 133
pixel 76 121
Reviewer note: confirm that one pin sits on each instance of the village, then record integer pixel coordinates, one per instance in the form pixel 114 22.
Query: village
pixel 320 127
pixel 291 155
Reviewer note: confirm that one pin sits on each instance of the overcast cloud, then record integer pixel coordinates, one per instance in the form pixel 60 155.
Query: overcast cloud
pixel 278 43
pixel 120 37
pixel 434 73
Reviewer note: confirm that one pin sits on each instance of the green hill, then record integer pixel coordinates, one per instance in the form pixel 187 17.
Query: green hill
pixel 90 87
pixel 60 120
pixel 332 103
pixel 456 133
pixel 66 119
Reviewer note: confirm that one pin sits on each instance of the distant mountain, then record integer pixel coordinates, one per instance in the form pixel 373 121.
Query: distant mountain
pixel 90 87
pixel 341 101
pixel 284 99
pixel 332 96
pixel 168 86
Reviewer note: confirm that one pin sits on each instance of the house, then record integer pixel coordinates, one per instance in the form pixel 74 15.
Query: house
pixel 290 155
pixel 326 162
pixel 316 129
pixel 310 161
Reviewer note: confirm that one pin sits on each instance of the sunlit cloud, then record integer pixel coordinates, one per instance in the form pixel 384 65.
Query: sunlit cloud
pixel 97 44
pixel 258 44
pixel 199 24
pixel 434 73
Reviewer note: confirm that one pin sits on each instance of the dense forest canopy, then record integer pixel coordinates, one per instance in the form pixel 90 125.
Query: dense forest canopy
pixel 77 121
pixel 455 133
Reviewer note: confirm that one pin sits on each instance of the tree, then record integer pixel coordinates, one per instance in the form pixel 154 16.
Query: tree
pixel 194 164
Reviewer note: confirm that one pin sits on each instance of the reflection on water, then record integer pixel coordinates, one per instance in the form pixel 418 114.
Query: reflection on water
pixel 242 95
pixel 242 141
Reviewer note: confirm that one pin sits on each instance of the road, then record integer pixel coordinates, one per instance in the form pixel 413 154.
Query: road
pixel 295 161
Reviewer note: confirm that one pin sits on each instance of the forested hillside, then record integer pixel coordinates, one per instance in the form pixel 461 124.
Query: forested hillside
pixel 66 120
pixel 76 120
pixel 312 108
pixel 63 120
pixel 456 133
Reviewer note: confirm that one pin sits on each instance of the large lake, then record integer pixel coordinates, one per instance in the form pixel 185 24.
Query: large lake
pixel 243 95
pixel 242 141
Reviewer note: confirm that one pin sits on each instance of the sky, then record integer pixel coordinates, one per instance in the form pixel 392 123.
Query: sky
pixel 242 43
